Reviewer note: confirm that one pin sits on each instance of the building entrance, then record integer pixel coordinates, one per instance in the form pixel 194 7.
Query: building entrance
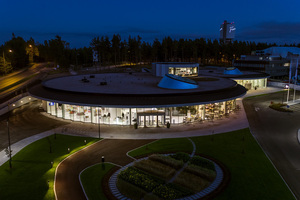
pixel 151 118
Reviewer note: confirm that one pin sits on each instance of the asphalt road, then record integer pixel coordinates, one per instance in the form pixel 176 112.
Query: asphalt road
pixel 67 185
pixel 15 77
pixel 276 132
pixel 24 122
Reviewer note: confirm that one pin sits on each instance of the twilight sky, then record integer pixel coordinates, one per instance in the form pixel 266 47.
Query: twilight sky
pixel 78 21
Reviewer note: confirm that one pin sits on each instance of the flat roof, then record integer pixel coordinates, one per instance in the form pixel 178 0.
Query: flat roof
pixel 132 90
pixel 126 83
pixel 219 72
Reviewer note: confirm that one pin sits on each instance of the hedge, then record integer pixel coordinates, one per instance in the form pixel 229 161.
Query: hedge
pixel 140 179
pixel 130 190
pixel 202 162
pixel 176 164
pixel 205 173
pixel 181 156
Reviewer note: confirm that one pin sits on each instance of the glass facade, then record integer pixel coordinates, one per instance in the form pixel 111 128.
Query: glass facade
pixel 253 84
pixel 142 116
pixel 184 71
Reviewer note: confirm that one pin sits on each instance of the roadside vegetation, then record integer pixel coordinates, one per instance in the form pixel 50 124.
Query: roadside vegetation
pixel 32 173
pixel 282 107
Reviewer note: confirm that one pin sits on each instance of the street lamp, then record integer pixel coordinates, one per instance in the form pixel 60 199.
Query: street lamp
pixel 99 118
pixel 9 147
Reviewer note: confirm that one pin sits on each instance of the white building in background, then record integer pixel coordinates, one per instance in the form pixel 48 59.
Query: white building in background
pixel 184 69
pixel 274 61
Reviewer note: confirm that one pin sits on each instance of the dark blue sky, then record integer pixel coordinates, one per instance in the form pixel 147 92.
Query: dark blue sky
pixel 78 22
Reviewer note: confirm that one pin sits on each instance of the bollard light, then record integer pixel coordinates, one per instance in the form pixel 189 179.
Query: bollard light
pixel 69 150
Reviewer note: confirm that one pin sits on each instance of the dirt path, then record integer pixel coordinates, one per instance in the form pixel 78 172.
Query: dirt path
pixel 67 183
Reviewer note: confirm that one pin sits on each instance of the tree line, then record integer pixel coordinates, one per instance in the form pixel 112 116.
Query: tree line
pixel 18 53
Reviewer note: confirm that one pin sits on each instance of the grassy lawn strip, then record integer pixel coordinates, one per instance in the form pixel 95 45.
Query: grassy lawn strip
pixel 28 179
pixel 91 179
pixel 17 83
pixel 164 146
pixel 252 174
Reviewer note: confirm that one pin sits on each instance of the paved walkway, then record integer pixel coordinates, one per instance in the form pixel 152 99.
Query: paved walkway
pixel 235 121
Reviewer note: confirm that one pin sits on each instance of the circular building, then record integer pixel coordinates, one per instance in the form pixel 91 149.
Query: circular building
pixel 129 98
pixel 248 79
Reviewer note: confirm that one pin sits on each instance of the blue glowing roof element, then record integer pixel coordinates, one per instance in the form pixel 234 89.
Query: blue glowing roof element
pixel 232 71
pixel 171 81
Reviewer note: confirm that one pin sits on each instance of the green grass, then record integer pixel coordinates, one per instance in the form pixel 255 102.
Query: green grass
pixel 252 174
pixel 28 179
pixel 91 179
pixel 164 146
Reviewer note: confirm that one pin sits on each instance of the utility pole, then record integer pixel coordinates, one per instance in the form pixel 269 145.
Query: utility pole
pixel 9 147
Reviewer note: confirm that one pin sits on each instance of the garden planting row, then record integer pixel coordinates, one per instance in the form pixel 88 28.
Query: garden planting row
pixel 149 178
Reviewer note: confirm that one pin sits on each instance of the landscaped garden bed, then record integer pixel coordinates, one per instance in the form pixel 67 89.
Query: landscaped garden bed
pixel 152 178
pixel 279 107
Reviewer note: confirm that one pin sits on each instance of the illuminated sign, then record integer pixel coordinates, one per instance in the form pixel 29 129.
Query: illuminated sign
pixel 231 28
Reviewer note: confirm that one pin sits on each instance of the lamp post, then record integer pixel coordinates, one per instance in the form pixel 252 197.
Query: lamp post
pixel 99 117
pixel 9 147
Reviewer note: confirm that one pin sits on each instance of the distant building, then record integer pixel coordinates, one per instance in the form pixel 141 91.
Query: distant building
pixel 184 69
pixel 274 61
pixel 250 80
pixel 227 32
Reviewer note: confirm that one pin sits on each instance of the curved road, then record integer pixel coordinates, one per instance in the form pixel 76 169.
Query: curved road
pixel 276 132
pixel 24 122
pixel 67 185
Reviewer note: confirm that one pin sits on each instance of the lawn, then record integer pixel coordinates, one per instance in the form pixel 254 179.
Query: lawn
pixel 164 146
pixel 32 169
pixel 252 174
pixel 91 179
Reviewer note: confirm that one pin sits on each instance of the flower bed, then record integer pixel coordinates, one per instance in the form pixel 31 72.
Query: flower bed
pixel 167 160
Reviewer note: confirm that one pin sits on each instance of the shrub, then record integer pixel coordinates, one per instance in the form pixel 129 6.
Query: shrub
pixel 181 156
pixel 140 179
pixel 170 191
pixel 205 173
pixel 156 168
pixel 202 162
pixel 192 182
pixel 151 196
pixel 167 160
pixel 279 107
pixel 130 190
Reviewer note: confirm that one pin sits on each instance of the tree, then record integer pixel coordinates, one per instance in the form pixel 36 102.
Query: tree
pixel 17 56
pixel 116 45
pixel 31 50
